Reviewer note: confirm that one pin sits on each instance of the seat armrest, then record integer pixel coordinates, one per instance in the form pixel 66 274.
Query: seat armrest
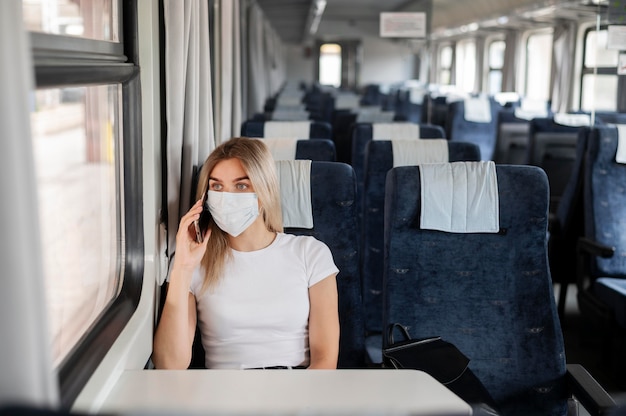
pixel 594 248
pixel 588 391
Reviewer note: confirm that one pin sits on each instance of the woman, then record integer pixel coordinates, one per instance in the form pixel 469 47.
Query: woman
pixel 261 298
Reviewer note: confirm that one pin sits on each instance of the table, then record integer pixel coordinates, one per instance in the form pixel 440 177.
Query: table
pixel 258 392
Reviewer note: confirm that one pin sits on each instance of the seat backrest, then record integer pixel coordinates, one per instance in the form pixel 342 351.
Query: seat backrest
pixel 605 200
pixel 567 224
pixel 362 134
pixel 484 134
pixel 334 223
pixel 256 128
pixel 379 161
pixel 490 294
pixel 512 138
pixel 552 146
pixel 610 117
pixel 322 150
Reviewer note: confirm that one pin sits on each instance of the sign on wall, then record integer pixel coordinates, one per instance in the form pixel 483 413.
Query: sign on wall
pixel 403 25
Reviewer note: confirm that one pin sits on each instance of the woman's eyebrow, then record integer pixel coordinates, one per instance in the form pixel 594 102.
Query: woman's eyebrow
pixel 212 178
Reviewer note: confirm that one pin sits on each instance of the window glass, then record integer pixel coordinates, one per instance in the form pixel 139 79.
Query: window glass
pixel 445 65
pixel 596 53
pixel 495 82
pixel 538 66
pixel 76 149
pixel 496 62
pixel 82 18
pixel 445 57
pixel 599 93
pixel 496 54
pixel 330 64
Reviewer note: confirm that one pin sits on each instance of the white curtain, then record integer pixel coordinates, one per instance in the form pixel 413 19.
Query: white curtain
pixel 229 106
pixel 508 69
pixel 480 64
pixel 562 65
pixel 257 79
pixel 25 353
pixel 265 63
pixel 189 112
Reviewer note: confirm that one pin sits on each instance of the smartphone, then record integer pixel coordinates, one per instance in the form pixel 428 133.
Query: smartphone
pixel 202 223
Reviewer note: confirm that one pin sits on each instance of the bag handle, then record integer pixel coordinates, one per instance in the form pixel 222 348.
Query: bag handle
pixel 403 329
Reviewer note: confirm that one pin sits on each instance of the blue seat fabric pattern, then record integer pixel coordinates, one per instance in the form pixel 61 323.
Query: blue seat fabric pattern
pixel 362 134
pixel 490 294
pixel 334 218
pixel 379 161
pixel 482 134
pixel 605 201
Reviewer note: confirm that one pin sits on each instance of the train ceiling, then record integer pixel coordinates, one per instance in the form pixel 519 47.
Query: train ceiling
pixel 292 19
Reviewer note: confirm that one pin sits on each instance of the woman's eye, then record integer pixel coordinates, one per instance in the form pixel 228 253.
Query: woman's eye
pixel 216 187
pixel 242 186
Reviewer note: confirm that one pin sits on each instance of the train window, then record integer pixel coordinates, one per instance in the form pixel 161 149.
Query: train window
pixel 445 65
pixel 538 66
pixel 76 148
pixel 330 64
pixel 466 65
pixel 87 147
pixel 89 19
pixel 599 73
pixel 495 61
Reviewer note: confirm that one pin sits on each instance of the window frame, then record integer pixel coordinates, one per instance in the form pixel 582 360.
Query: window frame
pixel 599 70
pixel 62 61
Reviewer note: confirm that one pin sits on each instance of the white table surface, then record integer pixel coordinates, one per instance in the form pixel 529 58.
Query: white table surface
pixel 302 392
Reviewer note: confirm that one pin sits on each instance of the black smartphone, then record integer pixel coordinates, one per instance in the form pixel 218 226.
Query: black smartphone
pixel 202 223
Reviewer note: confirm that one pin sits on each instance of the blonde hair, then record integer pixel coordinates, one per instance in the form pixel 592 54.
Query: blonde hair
pixel 258 163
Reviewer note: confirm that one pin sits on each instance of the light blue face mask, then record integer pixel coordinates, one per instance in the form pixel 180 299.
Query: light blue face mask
pixel 233 212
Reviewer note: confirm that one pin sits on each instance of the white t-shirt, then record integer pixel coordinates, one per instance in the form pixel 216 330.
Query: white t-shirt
pixel 257 315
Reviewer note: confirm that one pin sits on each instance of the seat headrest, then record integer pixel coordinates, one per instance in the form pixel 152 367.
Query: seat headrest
pixel 294 177
pixel 460 197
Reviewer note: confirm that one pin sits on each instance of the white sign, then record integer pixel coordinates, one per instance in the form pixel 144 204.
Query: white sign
pixel 616 37
pixel 403 25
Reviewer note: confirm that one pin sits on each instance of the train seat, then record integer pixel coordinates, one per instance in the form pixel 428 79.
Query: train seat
pixel 512 139
pixel 322 150
pixel 552 146
pixel 473 119
pixel 566 225
pixel 332 188
pixel 298 129
pixel 612 292
pixel 489 293
pixel 379 160
pixel 610 117
pixel 363 133
pixel 603 248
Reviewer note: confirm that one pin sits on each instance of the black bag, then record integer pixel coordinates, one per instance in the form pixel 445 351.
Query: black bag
pixel 442 360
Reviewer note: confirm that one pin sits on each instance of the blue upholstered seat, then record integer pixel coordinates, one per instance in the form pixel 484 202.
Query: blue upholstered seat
pixel 362 134
pixel 612 291
pixel 512 138
pixel 482 134
pixel 552 147
pixel 321 150
pixel 255 128
pixel 567 223
pixel 379 160
pixel 334 218
pixel 603 249
pixel 490 294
